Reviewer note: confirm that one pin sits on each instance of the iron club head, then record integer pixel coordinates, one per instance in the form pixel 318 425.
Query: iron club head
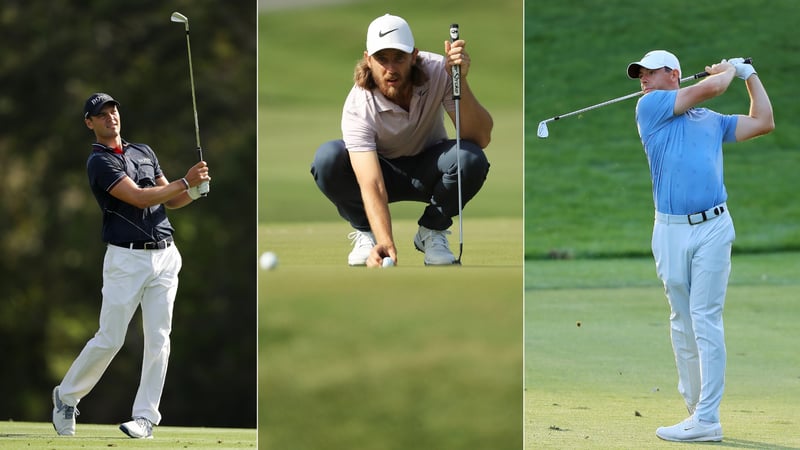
pixel 542 131
pixel 180 18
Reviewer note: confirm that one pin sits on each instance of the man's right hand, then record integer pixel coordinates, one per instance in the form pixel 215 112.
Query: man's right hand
pixel 198 179
pixel 198 174
pixel 380 251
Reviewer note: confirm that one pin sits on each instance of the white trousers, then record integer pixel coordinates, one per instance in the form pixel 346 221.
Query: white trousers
pixel 694 263
pixel 131 278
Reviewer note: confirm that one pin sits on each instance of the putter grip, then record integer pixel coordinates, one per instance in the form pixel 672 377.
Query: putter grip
pixel 456 70
pixel 705 74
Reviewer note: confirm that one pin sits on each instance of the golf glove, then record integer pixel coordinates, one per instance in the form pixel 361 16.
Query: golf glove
pixel 743 70
pixel 194 192
pixel 198 191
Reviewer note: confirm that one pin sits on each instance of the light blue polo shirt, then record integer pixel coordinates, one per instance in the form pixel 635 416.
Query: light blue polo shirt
pixel 684 153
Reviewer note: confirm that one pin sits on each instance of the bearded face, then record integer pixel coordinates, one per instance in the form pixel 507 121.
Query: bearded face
pixel 391 71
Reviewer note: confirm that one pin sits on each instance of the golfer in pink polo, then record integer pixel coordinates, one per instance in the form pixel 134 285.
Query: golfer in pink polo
pixel 394 145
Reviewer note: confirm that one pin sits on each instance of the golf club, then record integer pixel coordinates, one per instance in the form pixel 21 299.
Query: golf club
pixel 180 18
pixel 543 132
pixel 456 75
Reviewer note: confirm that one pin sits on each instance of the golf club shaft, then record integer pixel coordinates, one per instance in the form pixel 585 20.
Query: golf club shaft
pixel 599 105
pixel 456 75
pixel 631 95
pixel 180 18
pixel 194 100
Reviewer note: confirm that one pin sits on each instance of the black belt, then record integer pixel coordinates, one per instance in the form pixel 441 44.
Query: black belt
pixel 141 245
pixel 709 214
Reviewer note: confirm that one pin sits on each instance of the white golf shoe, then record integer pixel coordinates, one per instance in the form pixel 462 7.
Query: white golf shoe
pixel 691 430
pixel 63 415
pixel 435 246
pixel 363 241
pixel 138 428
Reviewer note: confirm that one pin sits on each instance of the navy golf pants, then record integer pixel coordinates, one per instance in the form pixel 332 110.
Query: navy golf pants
pixel 430 177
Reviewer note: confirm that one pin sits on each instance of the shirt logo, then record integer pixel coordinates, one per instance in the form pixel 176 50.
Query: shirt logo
pixel 382 34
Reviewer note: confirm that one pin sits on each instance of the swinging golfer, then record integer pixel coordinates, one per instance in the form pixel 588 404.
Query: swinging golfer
pixel 395 147
pixel 693 231
pixel 140 269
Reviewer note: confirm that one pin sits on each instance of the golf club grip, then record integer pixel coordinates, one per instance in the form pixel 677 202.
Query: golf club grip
pixel 200 158
pixel 456 70
pixel 705 74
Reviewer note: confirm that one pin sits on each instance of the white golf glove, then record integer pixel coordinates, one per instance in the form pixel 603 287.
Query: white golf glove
pixel 743 70
pixel 198 191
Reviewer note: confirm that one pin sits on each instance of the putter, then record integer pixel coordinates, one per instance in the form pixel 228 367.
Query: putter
pixel 180 18
pixel 456 75
pixel 543 132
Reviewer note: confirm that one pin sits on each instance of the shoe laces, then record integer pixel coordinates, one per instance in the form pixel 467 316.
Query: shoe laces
pixel 144 423
pixel 361 239
pixel 437 238
pixel 70 412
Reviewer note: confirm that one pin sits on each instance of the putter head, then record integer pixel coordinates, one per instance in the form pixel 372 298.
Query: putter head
pixel 542 131
pixel 180 18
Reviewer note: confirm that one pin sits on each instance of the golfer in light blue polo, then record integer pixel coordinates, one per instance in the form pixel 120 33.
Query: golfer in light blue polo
pixel 693 232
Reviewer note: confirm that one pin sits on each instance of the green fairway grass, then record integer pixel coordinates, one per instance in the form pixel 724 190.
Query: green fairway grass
pixel 401 358
pixel 610 382
pixel 16 435
pixel 587 186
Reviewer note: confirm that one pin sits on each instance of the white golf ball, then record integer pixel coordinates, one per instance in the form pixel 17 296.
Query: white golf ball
pixel 268 260
pixel 387 262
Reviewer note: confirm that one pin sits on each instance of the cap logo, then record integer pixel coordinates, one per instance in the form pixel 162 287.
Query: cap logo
pixel 382 34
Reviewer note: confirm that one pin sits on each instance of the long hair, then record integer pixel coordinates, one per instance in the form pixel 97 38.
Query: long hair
pixel 362 75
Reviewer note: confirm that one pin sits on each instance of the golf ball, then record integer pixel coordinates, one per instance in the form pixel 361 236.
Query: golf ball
pixel 387 262
pixel 268 260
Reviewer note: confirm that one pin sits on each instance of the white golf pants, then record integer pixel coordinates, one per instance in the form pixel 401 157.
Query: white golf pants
pixel 131 278
pixel 694 263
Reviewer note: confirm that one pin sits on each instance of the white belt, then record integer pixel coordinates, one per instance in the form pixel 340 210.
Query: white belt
pixel 692 219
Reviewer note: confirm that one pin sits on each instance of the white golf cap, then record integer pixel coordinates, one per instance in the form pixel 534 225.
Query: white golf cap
pixel 655 59
pixel 389 32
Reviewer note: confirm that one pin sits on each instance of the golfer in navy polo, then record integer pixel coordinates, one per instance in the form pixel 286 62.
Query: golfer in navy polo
pixel 140 268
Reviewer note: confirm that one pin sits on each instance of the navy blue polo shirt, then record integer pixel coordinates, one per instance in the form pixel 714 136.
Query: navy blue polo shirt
pixel 122 222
